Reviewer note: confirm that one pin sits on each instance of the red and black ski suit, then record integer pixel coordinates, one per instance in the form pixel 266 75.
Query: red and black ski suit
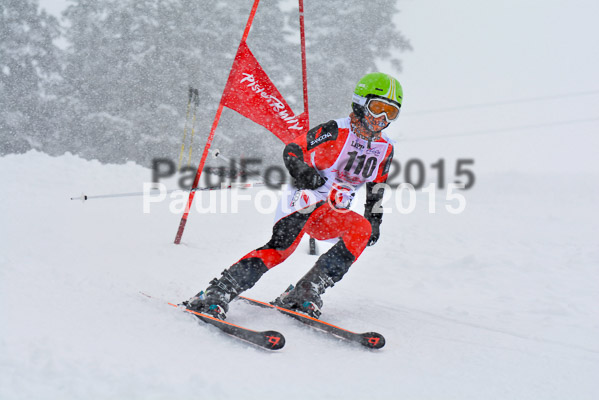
pixel 328 164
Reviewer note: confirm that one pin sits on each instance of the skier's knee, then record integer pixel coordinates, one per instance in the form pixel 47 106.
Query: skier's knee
pixel 362 231
pixel 357 238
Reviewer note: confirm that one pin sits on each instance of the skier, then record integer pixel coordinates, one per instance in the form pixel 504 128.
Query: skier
pixel 328 164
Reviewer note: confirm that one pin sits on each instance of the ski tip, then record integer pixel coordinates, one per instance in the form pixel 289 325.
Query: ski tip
pixel 273 340
pixel 372 340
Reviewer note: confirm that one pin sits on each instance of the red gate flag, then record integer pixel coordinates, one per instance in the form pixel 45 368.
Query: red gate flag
pixel 251 93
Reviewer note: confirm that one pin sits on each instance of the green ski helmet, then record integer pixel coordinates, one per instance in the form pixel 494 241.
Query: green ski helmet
pixel 376 85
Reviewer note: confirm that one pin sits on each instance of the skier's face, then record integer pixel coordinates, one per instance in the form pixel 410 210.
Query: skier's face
pixel 375 124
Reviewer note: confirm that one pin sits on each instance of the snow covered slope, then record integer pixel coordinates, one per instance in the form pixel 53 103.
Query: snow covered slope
pixel 499 302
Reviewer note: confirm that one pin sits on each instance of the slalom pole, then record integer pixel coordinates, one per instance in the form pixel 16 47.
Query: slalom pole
pixel 219 111
pixel 304 68
pixel 190 95
pixel 196 104
pixel 312 241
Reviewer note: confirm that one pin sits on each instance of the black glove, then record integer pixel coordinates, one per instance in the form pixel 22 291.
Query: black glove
pixel 375 219
pixel 375 224
pixel 304 176
pixel 309 179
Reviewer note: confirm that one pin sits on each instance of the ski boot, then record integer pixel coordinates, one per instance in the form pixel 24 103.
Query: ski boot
pixel 214 301
pixel 329 269
pixel 305 299
pixel 238 278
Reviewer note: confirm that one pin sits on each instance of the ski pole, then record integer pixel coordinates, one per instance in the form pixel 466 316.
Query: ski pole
pixel 217 154
pixel 234 185
pixel 196 104
pixel 189 97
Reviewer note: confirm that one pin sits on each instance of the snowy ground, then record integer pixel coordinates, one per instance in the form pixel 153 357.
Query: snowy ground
pixel 499 302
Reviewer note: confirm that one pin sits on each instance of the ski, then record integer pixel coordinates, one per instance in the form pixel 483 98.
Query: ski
pixel 372 340
pixel 270 340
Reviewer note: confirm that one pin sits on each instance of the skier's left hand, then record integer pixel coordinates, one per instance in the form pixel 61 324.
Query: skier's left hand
pixel 376 231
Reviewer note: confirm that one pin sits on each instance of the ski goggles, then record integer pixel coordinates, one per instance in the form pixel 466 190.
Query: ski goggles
pixel 379 107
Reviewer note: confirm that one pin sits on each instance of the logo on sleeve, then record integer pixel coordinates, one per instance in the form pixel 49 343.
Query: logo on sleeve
pixel 321 135
pixel 320 139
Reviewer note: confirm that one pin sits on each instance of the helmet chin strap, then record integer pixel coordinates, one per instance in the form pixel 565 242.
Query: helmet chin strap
pixel 363 128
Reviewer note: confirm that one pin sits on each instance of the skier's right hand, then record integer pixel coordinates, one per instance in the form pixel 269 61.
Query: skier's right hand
pixel 304 176
pixel 308 178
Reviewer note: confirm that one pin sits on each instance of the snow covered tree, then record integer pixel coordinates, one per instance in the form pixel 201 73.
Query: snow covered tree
pixel 129 64
pixel 28 67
